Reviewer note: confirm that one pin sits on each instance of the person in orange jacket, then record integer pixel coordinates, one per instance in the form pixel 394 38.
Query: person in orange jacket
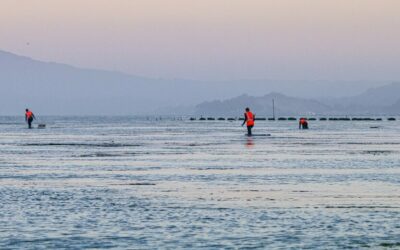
pixel 303 124
pixel 249 120
pixel 29 116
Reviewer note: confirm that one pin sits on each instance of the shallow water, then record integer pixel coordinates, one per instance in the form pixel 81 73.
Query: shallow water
pixel 128 182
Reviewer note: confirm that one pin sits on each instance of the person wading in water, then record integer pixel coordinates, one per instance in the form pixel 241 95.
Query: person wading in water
pixel 303 124
pixel 249 121
pixel 29 116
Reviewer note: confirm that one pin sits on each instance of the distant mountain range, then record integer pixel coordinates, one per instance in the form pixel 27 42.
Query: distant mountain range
pixel 379 101
pixel 54 88
pixel 262 105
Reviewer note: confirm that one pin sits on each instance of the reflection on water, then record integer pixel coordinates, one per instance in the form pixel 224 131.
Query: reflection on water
pixel 124 182
pixel 249 142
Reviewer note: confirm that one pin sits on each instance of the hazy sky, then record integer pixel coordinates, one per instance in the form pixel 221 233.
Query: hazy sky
pixel 211 39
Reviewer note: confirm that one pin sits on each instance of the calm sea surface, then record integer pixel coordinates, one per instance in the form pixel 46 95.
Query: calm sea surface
pixel 126 182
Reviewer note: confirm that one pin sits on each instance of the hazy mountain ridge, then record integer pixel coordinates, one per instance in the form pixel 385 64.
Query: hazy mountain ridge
pixel 55 88
pixel 374 97
pixel 382 100
pixel 60 88
pixel 262 105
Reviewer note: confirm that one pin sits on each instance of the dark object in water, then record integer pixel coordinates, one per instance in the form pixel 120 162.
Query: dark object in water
pixel 312 119
pixel 322 119
pixel 202 119
pixel 365 119
pixel 339 119
pixel 231 119
pixel 271 119
pixel 192 119
pixel 136 184
pixel 257 135
pixel 210 119
pixel 41 125
pixel 241 119
pixel 282 119
pixel 391 119
pixel 141 184
pixel 221 119
pixel 260 119
pixel 292 119
pixel 390 244
pixel 374 127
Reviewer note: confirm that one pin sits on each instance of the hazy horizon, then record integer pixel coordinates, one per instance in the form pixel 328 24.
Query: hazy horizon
pixel 211 40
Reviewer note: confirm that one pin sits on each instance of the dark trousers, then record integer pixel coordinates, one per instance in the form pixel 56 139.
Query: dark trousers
pixel 249 130
pixel 30 122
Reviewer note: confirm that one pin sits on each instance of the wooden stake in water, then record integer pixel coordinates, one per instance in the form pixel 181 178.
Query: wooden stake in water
pixel 273 109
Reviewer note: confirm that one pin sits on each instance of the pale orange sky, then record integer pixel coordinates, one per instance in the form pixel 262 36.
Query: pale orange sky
pixel 211 39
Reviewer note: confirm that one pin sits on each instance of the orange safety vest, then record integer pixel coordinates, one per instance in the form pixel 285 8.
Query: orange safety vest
pixel 29 114
pixel 250 119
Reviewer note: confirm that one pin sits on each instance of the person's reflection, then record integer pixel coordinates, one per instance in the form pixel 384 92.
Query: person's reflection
pixel 249 142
